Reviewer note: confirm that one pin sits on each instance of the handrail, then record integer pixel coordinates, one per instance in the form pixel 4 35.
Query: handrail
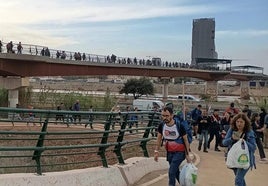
pixel 68 145
pixel 31 49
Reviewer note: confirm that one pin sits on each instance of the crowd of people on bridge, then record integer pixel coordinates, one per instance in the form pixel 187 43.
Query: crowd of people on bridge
pixel 79 56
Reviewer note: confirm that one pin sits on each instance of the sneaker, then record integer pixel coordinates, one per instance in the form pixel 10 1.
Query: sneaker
pixel 205 151
pixel 218 150
pixel 263 160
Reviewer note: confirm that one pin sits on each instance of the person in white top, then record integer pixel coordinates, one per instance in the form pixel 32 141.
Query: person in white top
pixel 176 143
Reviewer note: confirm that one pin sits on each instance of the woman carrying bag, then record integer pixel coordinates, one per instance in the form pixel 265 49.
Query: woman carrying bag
pixel 241 130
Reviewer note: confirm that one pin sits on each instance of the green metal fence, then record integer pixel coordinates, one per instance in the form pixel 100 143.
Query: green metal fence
pixel 49 140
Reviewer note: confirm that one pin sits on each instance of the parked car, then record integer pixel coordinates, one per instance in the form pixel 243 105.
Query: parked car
pixel 188 98
pixel 145 104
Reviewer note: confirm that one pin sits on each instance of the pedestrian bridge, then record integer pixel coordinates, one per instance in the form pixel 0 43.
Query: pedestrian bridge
pixel 37 60
pixel 30 66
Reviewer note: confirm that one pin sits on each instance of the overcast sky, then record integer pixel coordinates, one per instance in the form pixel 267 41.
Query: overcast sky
pixel 139 28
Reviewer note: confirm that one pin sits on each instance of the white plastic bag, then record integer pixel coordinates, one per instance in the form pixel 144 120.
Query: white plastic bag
pixel 238 155
pixel 188 175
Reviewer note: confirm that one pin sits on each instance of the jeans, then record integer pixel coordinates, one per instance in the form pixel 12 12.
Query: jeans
pixel 174 159
pixel 203 134
pixel 266 138
pixel 216 133
pixel 240 176
pixel 260 147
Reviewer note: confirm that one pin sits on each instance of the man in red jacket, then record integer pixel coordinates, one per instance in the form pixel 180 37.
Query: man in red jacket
pixel 232 110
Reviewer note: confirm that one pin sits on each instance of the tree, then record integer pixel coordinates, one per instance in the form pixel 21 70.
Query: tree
pixel 3 97
pixel 109 101
pixel 138 87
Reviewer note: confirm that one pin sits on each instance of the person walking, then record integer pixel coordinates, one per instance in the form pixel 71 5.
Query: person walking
pixel 215 129
pixel 176 143
pixel 117 117
pixel 77 108
pixel 232 110
pixel 155 122
pixel 70 117
pixel 247 111
pixel 133 120
pixel 226 121
pixel 90 118
pixel 263 113
pixel 204 123
pixel 60 117
pixel 266 131
pixel 10 47
pixel 240 128
pixel 258 128
pixel 31 116
pixel 195 114
pixel 19 48
pixel 1 46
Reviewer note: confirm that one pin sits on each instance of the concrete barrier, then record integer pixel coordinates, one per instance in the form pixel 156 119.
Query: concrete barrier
pixel 117 175
pixel 138 167
pixel 85 177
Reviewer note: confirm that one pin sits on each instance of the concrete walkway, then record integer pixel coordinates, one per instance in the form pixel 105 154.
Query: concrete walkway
pixel 212 171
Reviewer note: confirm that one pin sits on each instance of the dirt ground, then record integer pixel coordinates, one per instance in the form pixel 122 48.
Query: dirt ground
pixel 66 159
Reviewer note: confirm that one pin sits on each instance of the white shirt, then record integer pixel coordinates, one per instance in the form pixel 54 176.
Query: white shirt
pixel 170 133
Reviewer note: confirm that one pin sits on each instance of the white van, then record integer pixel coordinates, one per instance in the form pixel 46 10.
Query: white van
pixel 117 81
pixel 188 98
pixel 145 104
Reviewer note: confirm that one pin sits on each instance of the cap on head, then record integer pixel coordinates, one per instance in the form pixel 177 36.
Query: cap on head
pixel 232 104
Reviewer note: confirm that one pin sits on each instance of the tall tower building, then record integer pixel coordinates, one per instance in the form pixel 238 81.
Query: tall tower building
pixel 203 39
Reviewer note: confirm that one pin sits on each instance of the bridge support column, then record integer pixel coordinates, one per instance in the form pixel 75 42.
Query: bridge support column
pixel 12 84
pixel 13 97
pixel 212 89
pixel 165 81
pixel 244 90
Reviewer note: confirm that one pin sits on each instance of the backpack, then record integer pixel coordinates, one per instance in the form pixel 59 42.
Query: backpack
pixel 195 114
pixel 180 122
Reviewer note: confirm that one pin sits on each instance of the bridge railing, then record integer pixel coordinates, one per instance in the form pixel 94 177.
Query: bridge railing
pixel 49 140
pixel 86 57
pixel 52 53
pixel 31 49
pixel 79 56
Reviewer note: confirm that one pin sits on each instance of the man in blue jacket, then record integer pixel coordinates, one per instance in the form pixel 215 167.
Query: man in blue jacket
pixel 195 114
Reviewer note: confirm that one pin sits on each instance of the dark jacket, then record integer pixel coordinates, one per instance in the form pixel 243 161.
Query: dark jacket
pixel 195 114
pixel 204 123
